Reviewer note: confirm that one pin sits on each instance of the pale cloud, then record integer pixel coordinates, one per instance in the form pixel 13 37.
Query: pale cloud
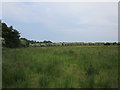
pixel 0 9
pixel 94 20
pixel 83 13
pixel 60 0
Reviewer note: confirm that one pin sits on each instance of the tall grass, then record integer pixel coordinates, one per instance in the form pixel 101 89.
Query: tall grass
pixel 61 67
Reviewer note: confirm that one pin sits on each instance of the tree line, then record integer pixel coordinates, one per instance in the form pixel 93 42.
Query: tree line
pixel 11 39
pixel 73 44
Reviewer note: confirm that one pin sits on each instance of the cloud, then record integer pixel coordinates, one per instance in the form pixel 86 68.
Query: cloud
pixel 73 19
pixel 83 13
pixel 0 10
pixel 60 0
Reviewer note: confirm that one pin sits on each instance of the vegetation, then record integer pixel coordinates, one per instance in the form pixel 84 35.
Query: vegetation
pixel 43 44
pixel 43 65
pixel 24 42
pixel 11 39
pixel 61 67
pixel 11 36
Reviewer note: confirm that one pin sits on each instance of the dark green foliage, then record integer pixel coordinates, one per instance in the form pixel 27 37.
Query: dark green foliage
pixel 118 43
pixel 114 43
pixel 47 41
pixel 11 36
pixel 107 44
pixel 32 41
pixel 37 42
pixel 24 42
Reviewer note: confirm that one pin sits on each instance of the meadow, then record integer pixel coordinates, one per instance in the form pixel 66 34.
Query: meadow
pixel 60 67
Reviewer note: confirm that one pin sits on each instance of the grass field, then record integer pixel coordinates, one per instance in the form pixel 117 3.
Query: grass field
pixel 60 67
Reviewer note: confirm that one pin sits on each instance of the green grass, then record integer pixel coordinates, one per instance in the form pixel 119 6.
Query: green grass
pixel 60 67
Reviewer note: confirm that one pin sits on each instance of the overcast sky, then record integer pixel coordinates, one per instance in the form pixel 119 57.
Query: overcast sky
pixel 63 21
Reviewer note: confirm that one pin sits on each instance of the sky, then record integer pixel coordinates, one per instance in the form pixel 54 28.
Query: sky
pixel 63 21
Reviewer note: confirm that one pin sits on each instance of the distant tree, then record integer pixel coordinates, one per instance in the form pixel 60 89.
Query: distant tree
pixel 24 42
pixel 47 41
pixel 11 36
pixel 32 41
pixel 114 43
pixel 37 42
pixel 118 43
pixel 107 43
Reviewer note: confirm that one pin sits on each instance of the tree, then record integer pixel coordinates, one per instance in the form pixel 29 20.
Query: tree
pixel 107 43
pixel 47 41
pixel 24 42
pixel 11 36
pixel 114 43
pixel 32 41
